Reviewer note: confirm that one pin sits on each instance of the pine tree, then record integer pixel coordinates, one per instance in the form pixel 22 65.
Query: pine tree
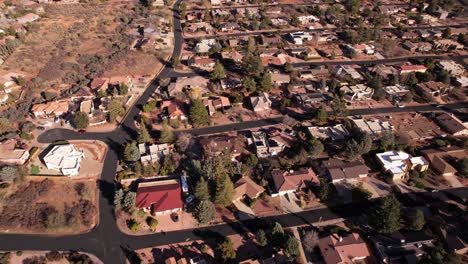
pixel 198 114
pixel 226 250
pixel 262 239
pixel 278 235
pixel 80 120
pixel 292 247
pixel 385 216
pixel 205 212
pixel 414 219
pixel 218 72
pixel 167 135
pixel 249 84
pixel 131 152
pixel 143 134
pixel 224 190
pixel 202 193
pixel 265 83
pixel 321 114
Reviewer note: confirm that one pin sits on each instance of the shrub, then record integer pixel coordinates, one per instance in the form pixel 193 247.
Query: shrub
pixel 152 222
pixel 35 169
pixel 19 253
pixel 133 225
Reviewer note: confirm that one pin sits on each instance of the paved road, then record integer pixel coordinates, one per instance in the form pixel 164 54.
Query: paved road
pixel 285 31
pixel 105 240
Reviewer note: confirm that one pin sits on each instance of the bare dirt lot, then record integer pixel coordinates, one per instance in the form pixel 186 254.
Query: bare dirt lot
pixel 75 43
pixel 52 206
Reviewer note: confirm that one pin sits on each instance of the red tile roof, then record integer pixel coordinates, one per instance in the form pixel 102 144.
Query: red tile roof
pixel 286 181
pixel 343 249
pixel 162 196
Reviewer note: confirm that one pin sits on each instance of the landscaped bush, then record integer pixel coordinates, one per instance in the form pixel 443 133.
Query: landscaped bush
pixel 133 225
pixel 35 169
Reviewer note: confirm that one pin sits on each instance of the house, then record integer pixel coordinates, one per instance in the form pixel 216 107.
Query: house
pixel 271 40
pixel 184 84
pixel 28 18
pixel 99 84
pixel 260 103
pixel 280 79
pixel 150 154
pixel 384 71
pixel 404 69
pixel 229 26
pixel 399 163
pixel 347 72
pixel 10 155
pixel 362 48
pixel 461 81
pixel 342 171
pixel 213 146
pixel 215 2
pixel 65 159
pixel 300 37
pixel 260 143
pixel 446 44
pixel 396 91
pixel 214 104
pixel 290 181
pixel 307 19
pixel 309 98
pixel 159 197
pixel 205 45
pixel 87 106
pixel 357 92
pixel 410 46
pixel 231 83
pixel 438 159
pixel 334 133
pixel 433 88
pixel 451 67
pixel 330 52
pixel 401 246
pixel 343 250
pixel 374 127
pixel 202 62
pixel 452 124
pixel 54 108
pixel 245 187
pixel 232 55
pixel 158 3
pixel 172 109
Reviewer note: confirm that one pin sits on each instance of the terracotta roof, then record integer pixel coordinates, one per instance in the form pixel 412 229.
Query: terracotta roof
pixel 97 83
pixel 336 249
pixel 286 181
pixel 161 195
pixel 450 123
pixel 340 170
pixel 246 186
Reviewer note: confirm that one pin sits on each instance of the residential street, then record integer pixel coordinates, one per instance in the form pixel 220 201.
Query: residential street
pixel 109 244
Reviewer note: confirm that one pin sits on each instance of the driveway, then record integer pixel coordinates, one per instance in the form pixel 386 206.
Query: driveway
pixel 453 181
pixel 245 212
pixel 381 188
pixel 289 203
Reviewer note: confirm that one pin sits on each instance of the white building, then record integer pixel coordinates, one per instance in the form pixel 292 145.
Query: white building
pixel 451 67
pixel 205 45
pixel 357 92
pixel 300 37
pixel 308 19
pixel 396 91
pixel 64 158
pixel 153 153
pixel 373 127
pixel 399 163
pixel 337 132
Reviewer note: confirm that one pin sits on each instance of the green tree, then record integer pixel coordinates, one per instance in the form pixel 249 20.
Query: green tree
pixel 131 152
pixel 225 250
pixel 123 89
pixel 385 215
pixel 321 114
pixel 387 141
pixel 116 109
pixel 169 165
pixel 324 190
pixel 224 190
pixel 202 193
pixel 198 114
pixel 152 223
pixel 414 219
pixel 261 237
pixel 278 236
pixel 339 107
pixel 292 247
pixel 249 84
pixel 315 148
pixel 5 125
pixel 205 212
pixel 218 72
pixel 143 134
pixel 80 120
pixel 167 135
pixel 265 82
pixel 252 65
